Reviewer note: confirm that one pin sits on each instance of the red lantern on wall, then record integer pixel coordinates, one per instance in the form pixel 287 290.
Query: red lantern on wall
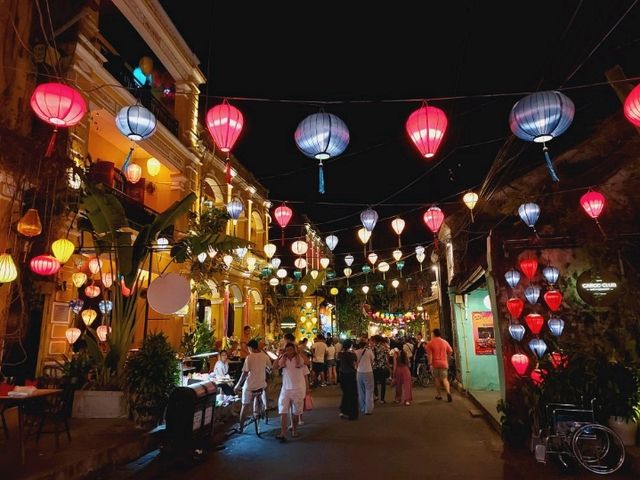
pixel 529 266
pixel 44 265
pixel 283 216
pixel 559 360
pixel 632 106
pixel 534 322
pixel 520 362
pixel 515 306
pixel 426 127
pixel 58 105
pixel 553 299
pixel 537 376
pixel 224 123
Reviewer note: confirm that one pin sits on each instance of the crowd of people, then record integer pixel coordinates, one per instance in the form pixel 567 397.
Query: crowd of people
pixel 362 367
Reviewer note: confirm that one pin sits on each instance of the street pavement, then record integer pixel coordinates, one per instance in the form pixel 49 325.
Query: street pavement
pixel 430 439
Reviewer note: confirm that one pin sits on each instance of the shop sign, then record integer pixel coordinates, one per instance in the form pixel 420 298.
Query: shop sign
pixel 598 289
pixel 484 338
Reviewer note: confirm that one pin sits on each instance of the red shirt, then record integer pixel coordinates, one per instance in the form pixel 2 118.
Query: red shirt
pixel 438 350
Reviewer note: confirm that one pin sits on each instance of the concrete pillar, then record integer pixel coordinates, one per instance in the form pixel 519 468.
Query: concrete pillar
pixel 186 112
pixel 249 209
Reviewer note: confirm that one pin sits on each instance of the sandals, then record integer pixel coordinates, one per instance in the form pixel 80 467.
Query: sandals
pixel 282 438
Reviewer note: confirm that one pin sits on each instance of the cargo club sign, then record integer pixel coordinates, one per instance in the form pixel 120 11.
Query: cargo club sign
pixel 598 289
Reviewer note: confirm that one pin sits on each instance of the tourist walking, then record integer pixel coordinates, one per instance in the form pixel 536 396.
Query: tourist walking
pixel 348 382
pixel 402 378
pixel 295 385
pixel 438 351
pixel 380 367
pixel 364 355
pixel 330 363
pixel 318 351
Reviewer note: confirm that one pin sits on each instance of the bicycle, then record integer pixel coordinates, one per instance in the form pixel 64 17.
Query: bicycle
pixel 573 436
pixel 259 410
pixel 423 374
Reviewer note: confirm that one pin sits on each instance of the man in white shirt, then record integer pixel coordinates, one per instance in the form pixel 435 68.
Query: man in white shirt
pixel 364 376
pixel 253 380
pixel 295 385
pixel 319 350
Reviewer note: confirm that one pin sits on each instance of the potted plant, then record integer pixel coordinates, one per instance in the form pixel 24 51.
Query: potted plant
pixel 150 376
pixel 620 399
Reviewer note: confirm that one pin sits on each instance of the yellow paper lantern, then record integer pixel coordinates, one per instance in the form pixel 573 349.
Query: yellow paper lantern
pixel 88 316
pixel 62 249
pixel 334 291
pixel 364 235
pixel 153 166
pixel 30 225
pixel 8 270
pixel 470 199
pixel 78 279
pixel 146 65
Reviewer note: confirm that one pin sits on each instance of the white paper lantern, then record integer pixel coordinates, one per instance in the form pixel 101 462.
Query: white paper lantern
pixel 324 262
pixel 228 260
pixel 269 250
pixel 72 334
pixel 397 255
pixel 275 262
pixel 348 260
pixel 300 263
pixel 331 241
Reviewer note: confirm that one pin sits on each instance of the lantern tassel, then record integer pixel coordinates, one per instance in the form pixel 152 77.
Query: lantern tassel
pixel 228 171
pixel 471 215
pixel 552 171
pixel 601 229
pixel 52 143
pixel 282 238
pixel 321 178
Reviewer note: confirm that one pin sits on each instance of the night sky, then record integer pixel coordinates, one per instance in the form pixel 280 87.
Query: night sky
pixel 326 52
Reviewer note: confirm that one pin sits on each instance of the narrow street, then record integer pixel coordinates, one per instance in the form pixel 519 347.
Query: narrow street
pixel 429 439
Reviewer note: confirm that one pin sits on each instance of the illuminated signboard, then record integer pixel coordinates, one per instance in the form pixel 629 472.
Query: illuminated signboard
pixel 598 289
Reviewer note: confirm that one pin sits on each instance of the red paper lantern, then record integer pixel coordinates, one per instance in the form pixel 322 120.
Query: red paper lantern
pixel 225 124
pixel 92 291
pixel 632 106
pixel 529 266
pixel 58 105
pixel 515 306
pixel 283 216
pixel 592 203
pixel 520 362
pixel 534 322
pixel 44 265
pixel 553 299
pixel 537 376
pixel 426 127
pixel 433 218
pixel 559 360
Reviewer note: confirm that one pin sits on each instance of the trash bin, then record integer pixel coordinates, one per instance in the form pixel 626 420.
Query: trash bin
pixel 189 418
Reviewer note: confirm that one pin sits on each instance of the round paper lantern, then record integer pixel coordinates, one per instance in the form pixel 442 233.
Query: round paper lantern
pixel 592 203
pixel 322 136
pixel 92 291
pixel 426 127
pixel 512 277
pixel 72 334
pixel 133 172
pixel 283 215
pixel 224 123
pixel 334 291
pixel 383 267
pixel 234 209
pixel 273 282
pixel 88 316
pixel 299 247
pixel 30 225
pixel 369 218
pixel 529 213
pixel 57 105
pixel 553 299
pixel 534 322
pixel 520 363
pixel 269 250
pixel 107 280
pixel 537 346
pixel 364 235
pixel 300 263
pixel 281 273
pixel 62 249
pixel 324 262
pixel 517 331
pixel 515 306
pixel 556 326
pixel 76 305
pixel 78 279
pixel 632 106
pixel 529 267
pixel 540 117
pixel 551 274
pixel 169 293
pixel 153 166
pixel 95 265
pixel 136 122
pixel 8 269
pixel 348 259
pixel 366 269
pixel 102 331
pixel 331 241
pixel 44 265
pixel 470 199
pixel 365 289
pixel 532 293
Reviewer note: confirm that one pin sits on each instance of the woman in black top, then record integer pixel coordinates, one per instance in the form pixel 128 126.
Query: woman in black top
pixel 349 403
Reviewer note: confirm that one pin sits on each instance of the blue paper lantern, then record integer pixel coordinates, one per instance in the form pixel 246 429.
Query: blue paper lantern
pixel 136 122
pixel 235 208
pixel 322 136
pixel 349 290
pixel 366 269
pixel 379 287
pixel 529 213
pixel 331 274
pixel 551 274
pixel 517 331
pixel 512 277
pixel 105 306
pixel 538 347
pixel 400 264
pixel 76 305
pixel 369 218
pixel 297 274
pixel 540 117
pixel 556 325
pixel 289 286
pixel 532 293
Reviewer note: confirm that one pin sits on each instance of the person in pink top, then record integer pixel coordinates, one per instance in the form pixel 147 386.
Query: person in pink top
pixel 438 351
